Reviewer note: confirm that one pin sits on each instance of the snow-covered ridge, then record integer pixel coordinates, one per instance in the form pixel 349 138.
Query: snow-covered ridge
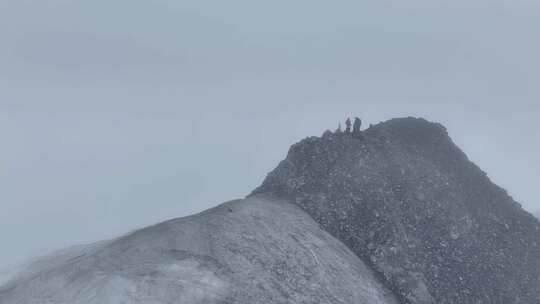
pixel 395 214
pixel 258 250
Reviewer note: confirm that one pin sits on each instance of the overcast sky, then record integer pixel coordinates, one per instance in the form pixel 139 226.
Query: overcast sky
pixel 117 114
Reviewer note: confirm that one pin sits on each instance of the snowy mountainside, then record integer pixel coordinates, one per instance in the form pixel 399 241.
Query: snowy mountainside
pixel 394 214
pixel 258 250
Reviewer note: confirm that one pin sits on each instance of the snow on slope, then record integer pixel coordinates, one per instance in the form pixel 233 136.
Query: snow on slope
pixel 257 250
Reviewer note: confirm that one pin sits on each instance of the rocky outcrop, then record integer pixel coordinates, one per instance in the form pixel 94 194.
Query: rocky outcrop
pixel 410 204
pixel 258 250
pixel 393 214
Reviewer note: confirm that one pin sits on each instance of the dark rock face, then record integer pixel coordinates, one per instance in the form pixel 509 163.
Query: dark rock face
pixel 409 203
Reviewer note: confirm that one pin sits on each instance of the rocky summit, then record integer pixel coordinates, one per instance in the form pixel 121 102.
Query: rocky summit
pixel 393 214
pixel 410 204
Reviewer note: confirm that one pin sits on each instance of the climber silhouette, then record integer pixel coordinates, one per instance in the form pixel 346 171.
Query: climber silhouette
pixel 356 126
pixel 348 125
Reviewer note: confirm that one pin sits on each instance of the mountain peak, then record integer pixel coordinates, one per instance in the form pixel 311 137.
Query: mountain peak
pixel 408 201
pixel 393 214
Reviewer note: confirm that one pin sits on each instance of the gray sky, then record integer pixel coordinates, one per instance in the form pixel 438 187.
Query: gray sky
pixel 119 114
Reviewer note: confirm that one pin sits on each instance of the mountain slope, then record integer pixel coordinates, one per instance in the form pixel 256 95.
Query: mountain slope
pixel 407 201
pixel 258 250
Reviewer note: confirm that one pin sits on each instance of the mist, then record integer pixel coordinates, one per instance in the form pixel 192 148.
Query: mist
pixel 116 115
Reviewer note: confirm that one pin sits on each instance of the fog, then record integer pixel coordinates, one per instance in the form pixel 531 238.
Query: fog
pixel 119 114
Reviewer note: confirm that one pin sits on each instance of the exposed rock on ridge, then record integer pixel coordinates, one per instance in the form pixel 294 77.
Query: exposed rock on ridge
pixel 409 203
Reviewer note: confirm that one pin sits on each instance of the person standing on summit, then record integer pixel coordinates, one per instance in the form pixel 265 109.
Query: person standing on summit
pixel 348 125
pixel 356 126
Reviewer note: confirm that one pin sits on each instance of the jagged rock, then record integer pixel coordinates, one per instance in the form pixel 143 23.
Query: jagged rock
pixel 258 250
pixel 412 219
pixel 408 202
